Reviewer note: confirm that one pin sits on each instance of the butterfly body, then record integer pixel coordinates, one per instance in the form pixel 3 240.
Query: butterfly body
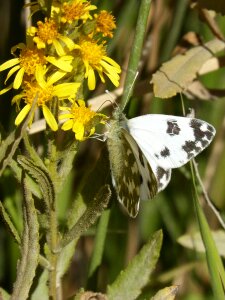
pixel 143 151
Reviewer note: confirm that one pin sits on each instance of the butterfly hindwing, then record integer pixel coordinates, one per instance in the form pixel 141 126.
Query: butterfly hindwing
pixel 148 182
pixel 125 174
pixel 132 175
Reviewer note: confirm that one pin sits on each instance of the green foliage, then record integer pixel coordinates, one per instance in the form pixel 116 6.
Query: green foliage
pixel 58 206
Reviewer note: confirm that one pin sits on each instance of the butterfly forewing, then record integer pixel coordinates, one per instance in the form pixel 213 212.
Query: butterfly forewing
pixel 169 141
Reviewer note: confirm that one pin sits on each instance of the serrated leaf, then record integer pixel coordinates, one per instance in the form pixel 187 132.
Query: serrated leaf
pixel 93 211
pixel 42 176
pixel 130 282
pixel 29 247
pixel 194 241
pixel 168 293
pixel 67 252
pixel 175 75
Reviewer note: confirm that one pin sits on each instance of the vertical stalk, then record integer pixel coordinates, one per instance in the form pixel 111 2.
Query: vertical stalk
pixel 136 51
pixel 53 256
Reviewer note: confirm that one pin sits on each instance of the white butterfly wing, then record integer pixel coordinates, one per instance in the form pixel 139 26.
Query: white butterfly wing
pixel 169 141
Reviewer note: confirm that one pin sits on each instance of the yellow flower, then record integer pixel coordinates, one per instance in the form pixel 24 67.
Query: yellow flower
pixel 44 91
pixel 95 59
pixel 47 34
pixel 29 62
pixel 81 120
pixel 76 10
pixel 105 23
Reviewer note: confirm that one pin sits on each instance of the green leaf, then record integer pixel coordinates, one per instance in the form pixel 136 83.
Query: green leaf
pixel 129 283
pixel 93 211
pixel 42 176
pixel 41 291
pixel 168 293
pixel 29 247
pixel 4 295
pixel 67 252
pixel 178 73
pixel 194 241
pixel 214 262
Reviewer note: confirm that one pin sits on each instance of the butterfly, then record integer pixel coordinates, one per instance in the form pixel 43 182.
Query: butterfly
pixel 143 150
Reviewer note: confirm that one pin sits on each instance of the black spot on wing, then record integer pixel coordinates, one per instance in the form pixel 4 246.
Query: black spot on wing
pixel 163 176
pixel 201 134
pixel 140 155
pixel 165 152
pixel 172 128
pixel 191 148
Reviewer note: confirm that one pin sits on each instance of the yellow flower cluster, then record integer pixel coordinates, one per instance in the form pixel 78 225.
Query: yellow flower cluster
pixel 62 55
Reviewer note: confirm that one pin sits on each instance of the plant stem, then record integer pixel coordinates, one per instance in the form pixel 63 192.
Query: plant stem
pixel 53 256
pixel 136 51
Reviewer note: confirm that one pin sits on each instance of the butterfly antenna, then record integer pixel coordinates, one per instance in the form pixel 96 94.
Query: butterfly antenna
pixel 103 104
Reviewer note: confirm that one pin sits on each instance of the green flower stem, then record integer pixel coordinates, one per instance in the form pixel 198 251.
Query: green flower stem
pixel 136 51
pixel 53 222
pixel 53 256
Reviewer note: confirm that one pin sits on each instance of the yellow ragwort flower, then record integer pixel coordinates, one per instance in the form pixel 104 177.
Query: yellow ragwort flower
pixel 44 91
pixel 76 10
pixel 27 63
pixel 31 61
pixel 81 120
pixel 95 59
pixel 47 34
pixel 105 23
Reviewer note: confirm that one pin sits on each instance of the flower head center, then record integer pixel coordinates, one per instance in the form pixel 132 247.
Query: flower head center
pixel 30 58
pixel 105 23
pixel 33 89
pixel 74 11
pixel 92 53
pixel 47 31
pixel 82 114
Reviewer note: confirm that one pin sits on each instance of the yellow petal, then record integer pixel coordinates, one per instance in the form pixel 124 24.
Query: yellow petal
pixel 59 48
pixel 63 63
pixel 67 125
pixel 78 128
pixel 65 90
pixel 65 116
pixel 18 79
pixel 91 79
pixel 11 72
pixel 40 76
pixel 8 64
pixel 56 76
pixel 22 115
pixel 112 62
pixel 68 42
pixel 49 118
pixel 5 90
